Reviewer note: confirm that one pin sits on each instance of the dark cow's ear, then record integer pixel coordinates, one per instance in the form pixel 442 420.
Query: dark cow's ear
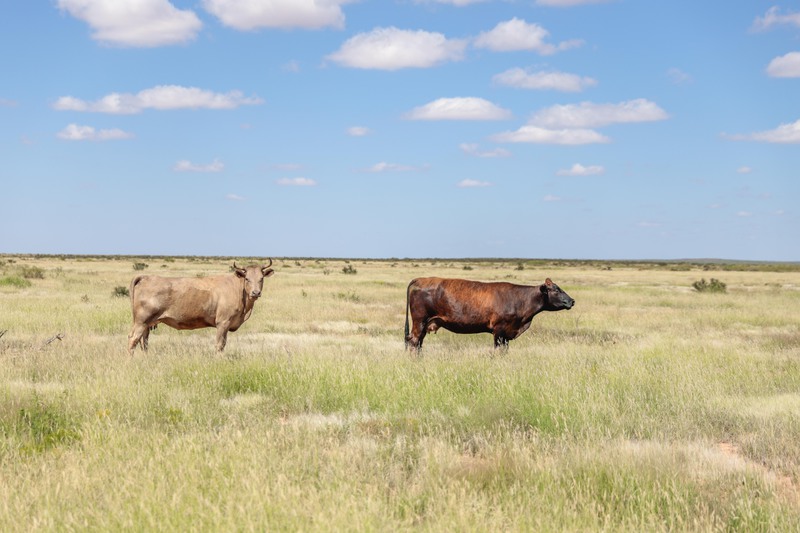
pixel 548 283
pixel 267 272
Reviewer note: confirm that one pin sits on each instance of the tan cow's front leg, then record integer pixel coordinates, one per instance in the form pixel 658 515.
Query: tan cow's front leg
pixel 222 336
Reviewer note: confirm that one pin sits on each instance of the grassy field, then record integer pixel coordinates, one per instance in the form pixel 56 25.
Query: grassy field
pixel 648 407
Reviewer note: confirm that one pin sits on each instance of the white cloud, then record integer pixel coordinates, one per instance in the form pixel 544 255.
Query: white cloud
pixel 296 182
pixel 559 81
pixel 744 214
pixel 358 131
pixel 744 170
pixel 162 97
pixel 572 124
pixel 469 108
pixel 457 3
pixel 579 170
pixel 551 198
pixel 292 66
pixel 783 134
pixel 470 183
pixel 394 49
pixel 516 34
pixel 678 77
pixel 591 115
pixel 773 17
pixel 254 14
pixel 568 3
pixel 786 66
pixel 537 135
pixel 649 224
pixel 235 197
pixel 474 150
pixel 187 166
pixel 74 132
pixel 390 167
pixel 136 23
pixel 4 102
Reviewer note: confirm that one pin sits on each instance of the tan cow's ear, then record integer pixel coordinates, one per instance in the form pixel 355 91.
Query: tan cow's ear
pixel 241 272
pixel 267 272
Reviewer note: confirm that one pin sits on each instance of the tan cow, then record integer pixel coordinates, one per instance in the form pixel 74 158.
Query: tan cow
pixel 222 302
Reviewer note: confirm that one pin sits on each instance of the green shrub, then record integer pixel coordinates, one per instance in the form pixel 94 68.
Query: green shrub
pixel 42 427
pixel 15 281
pixel 349 269
pixel 31 272
pixel 120 291
pixel 714 285
pixel 140 266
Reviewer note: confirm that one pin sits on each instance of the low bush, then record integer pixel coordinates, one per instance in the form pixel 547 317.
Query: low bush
pixel 15 281
pixel 31 272
pixel 714 285
pixel 121 292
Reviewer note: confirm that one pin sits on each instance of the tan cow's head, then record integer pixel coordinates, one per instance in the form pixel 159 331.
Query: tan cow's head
pixel 254 278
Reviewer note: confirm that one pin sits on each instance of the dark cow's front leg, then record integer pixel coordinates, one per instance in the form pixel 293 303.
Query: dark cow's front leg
pixel 500 340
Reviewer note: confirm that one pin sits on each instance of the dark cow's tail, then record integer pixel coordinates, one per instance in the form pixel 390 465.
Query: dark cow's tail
pixel 408 303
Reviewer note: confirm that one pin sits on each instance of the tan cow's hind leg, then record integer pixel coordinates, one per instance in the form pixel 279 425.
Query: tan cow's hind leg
pixel 139 332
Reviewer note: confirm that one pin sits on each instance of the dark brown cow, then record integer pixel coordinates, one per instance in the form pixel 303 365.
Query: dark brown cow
pixel 222 302
pixel 503 309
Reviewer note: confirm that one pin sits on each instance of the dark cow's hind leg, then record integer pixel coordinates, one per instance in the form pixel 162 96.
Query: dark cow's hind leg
pixel 418 331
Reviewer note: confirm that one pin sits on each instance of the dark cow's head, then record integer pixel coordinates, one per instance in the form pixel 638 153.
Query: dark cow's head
pixel 254 278
pixel 554 298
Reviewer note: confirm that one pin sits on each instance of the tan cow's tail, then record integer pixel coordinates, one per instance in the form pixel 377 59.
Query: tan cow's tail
pixel 135 281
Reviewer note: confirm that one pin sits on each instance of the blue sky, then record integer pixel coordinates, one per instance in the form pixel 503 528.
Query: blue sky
pixel 615 129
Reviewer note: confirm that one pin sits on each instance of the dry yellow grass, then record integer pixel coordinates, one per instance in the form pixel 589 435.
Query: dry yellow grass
pixel 647 407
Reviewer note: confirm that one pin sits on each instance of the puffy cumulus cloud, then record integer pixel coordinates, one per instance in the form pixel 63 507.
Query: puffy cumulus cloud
pixel 579 170
pixel 557 81
pixel 783 134
pixel 135 23
pixel 537 135
pixel 744 170
pixel 394 49
pixel 774 17
pixel 591 115
pixel 516 34
pixel 471 184
pixel 296 182
pixel 162 97
pixel 254 14
pixel 469 108
pixel 187 166
pixel 787 66
pixel 75 132
pixel 573 124
pixel 474 150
